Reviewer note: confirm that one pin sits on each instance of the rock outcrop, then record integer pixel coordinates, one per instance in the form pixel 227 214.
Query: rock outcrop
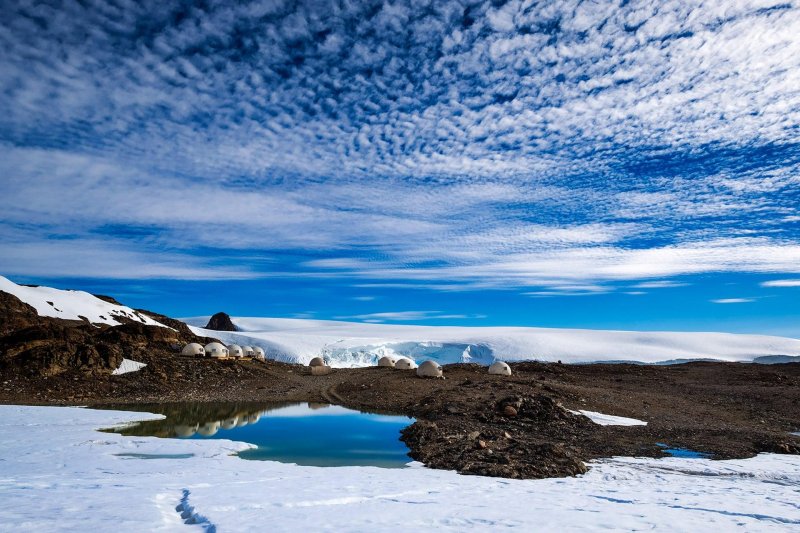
pixel 221 322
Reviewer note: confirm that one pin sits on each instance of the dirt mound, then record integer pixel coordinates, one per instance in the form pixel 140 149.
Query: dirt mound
pixel 517 437
pixel 221 322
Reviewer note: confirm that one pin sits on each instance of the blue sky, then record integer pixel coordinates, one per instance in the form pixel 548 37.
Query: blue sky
pixel 627 165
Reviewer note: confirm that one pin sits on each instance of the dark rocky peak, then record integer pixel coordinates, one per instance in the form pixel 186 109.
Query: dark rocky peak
pixel 221 322
pixel 109 299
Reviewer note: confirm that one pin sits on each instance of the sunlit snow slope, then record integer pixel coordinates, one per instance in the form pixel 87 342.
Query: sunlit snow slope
pixel 73 305
pixel 348 344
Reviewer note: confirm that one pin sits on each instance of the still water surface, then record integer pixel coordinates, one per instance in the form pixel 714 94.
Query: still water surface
pixel 306 434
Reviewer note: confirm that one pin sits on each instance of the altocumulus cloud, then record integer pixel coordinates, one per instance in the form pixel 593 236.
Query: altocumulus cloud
pixel 447 144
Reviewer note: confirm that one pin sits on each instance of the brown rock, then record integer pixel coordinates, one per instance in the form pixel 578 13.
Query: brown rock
pixel 509 410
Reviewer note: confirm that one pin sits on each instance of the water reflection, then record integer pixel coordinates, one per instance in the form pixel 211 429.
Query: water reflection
pixel 309 434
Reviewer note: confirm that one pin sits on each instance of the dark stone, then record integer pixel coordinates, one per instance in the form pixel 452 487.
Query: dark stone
pixel 221 322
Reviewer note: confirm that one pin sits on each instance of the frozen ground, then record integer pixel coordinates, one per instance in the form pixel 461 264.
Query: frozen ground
pixel 348 344
pixel 58 473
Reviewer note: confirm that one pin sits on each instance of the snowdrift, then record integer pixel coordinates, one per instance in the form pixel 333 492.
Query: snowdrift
pixel 74 305
pixel 351 344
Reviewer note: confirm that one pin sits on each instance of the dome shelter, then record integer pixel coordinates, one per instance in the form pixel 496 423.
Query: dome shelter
pixel 259 352
pixel 404 363
pixel 386 361
pixel 499 368
pixel 216 349
pixel 234 350
pixel 248 351
pixel 317 367
pixel 193 348
pixel 429 369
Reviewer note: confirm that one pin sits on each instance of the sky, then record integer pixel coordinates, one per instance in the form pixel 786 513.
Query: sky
pixel 628 165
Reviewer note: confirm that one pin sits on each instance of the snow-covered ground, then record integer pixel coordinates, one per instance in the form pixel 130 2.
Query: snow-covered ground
pixel 58 474
pixel 349 344
pixel 73 305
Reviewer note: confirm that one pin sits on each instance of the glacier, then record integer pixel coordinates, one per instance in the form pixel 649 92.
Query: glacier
pixel 353 344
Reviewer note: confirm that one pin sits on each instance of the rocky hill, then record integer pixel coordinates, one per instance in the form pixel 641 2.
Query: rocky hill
pixel 35 345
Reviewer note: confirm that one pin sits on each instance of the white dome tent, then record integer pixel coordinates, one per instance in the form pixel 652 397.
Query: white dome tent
pixel 499 368
pixel 248 351
pixel 429 369
pixel 386 361
pixel 259 352
pixel 216 349
pixel 234 350
pixel 193 348
pixel 404 363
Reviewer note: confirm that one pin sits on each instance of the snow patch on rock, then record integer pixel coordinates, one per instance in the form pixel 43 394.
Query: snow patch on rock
pixel 609 420
pixel 128 365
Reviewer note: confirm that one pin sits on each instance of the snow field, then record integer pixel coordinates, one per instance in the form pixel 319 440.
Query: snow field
pixel 60 474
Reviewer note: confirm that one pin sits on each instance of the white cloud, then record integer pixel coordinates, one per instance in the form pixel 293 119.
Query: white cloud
pixel 782 283
pixel 542 147
pixel 660 284
pixel 732 300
